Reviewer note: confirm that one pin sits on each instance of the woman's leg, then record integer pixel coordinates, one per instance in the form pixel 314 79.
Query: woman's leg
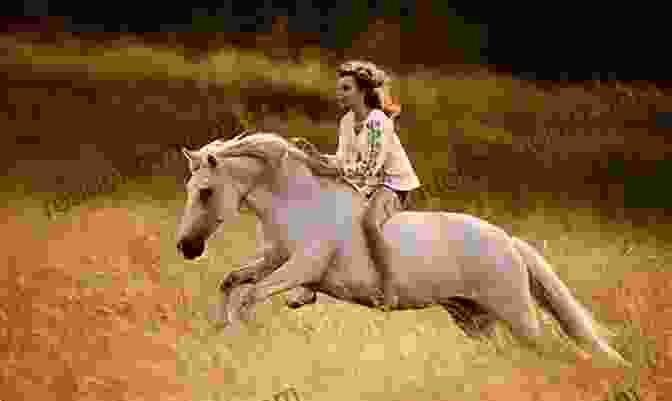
pixel 382 205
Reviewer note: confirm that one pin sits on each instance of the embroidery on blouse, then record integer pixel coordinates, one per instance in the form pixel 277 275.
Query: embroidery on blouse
pixel 375 136
pixel 361 171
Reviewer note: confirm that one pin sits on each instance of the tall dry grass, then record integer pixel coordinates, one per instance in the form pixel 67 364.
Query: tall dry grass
pixel 114 259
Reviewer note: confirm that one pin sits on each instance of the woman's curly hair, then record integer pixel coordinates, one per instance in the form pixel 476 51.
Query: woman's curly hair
pixel 371 78
pixel 366 72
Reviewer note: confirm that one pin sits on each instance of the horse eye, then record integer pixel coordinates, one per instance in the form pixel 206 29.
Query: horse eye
pixel 205 194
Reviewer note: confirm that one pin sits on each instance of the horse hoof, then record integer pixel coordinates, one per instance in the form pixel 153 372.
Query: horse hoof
pixel 291 305
pixel 298 302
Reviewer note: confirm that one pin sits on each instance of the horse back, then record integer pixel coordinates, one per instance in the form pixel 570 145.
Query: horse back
pixel 429 233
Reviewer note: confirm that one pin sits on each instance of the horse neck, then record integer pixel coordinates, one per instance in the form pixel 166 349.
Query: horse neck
pixel 303 190
pixel 294 184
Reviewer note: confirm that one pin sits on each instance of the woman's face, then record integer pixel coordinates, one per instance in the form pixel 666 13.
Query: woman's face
pixel 348 93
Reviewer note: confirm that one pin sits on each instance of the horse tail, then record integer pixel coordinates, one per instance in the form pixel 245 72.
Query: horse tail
pixel 554 296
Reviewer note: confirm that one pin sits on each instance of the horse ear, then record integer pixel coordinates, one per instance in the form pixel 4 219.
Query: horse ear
pixel 212 161
pixel 188 154
pixel 192 158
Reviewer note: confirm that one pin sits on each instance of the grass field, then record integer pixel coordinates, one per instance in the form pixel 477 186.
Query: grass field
pixel 98 305
pixel 328 350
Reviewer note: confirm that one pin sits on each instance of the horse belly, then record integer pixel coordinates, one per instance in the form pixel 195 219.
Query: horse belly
pixel 426 266
pixel 477 255
pixel 421 281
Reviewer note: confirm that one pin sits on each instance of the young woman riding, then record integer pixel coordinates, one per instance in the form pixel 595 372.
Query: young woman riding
pixel 371 157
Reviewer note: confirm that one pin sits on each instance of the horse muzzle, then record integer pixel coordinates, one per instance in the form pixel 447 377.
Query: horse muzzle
pixel 191 248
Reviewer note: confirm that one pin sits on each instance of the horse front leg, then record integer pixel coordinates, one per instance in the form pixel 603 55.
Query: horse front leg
pixel 265 261
pixel 235 283
pixel 304 267
pixel 258 268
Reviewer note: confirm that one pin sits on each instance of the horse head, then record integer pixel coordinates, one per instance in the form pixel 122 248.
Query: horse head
pixel 223 175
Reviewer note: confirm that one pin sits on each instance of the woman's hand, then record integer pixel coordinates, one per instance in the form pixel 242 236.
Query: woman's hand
pixel 329 159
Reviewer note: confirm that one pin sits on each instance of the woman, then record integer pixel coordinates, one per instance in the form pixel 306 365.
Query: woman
pixel 371 157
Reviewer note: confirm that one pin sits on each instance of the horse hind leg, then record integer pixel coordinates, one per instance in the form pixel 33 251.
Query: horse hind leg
pixel 478 321
pixel 475 321
pixel 503 289
pixel 518 312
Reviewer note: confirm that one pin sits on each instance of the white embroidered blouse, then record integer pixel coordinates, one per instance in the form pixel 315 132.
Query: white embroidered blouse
pixel 374 156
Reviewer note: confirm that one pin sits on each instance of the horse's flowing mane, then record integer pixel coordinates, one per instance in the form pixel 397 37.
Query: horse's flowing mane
pixel 269 147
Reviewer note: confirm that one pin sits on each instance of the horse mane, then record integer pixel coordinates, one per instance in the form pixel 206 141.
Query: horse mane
pixel 269 147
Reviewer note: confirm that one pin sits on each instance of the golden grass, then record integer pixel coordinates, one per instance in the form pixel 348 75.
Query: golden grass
pixel 335 351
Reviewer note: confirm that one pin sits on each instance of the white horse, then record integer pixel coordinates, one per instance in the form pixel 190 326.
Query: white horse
pixel 311 218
